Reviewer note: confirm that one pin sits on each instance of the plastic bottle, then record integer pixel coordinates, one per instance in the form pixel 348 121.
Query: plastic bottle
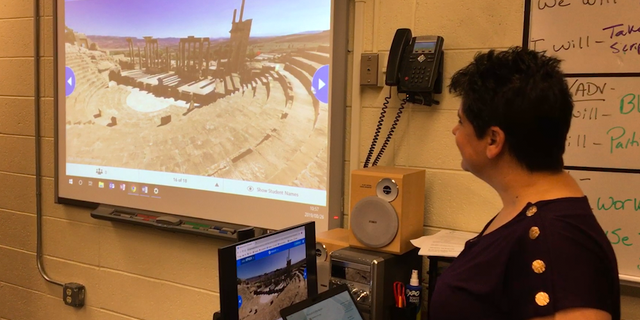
pixel 413 292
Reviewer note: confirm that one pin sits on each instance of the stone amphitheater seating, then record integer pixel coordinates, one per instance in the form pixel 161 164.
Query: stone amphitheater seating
pixel 289 150
pixel 306 65
pixel 312 152
pixel 88 82
pixel 324 49
pixel 286 86
pixel 321 58
pixel 241 136
pixel 305 79
pixel 266 123
pixel 228 86
pixel 114 103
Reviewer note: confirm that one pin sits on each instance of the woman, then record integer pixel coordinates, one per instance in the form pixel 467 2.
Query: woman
pixel 544 255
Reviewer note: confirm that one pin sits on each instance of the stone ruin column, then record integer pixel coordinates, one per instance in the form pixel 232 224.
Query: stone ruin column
pixel 181 56
pixel 157 53
pixel 147 51
pixel 168 59
pixel 131 57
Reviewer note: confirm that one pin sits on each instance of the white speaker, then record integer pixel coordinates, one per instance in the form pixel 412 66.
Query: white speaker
pixel 387 208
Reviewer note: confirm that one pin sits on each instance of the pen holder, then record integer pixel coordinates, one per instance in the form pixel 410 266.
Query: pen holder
pixel 409 312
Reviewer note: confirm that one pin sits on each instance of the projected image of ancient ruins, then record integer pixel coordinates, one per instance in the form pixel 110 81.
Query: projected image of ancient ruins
pixel 220 88
pixel 269 284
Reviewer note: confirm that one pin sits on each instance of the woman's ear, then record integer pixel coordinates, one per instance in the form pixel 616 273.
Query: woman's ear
pixel 495 142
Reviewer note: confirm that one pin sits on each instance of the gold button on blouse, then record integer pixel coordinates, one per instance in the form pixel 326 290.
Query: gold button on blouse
pixel 531 211
pixel 542 299
pixel 534 232
pixel 538 266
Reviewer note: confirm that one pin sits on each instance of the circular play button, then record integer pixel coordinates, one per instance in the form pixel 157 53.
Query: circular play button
pixel 70 81
pixel 320 84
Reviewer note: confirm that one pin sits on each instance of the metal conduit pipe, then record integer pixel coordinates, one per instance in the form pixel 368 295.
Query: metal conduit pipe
pixel 36 111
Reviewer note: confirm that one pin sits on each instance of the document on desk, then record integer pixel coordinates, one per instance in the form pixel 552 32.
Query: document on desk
pixel 446 243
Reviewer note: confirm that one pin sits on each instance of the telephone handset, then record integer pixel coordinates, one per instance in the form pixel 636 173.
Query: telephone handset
pixel 401 40
pixel 415 66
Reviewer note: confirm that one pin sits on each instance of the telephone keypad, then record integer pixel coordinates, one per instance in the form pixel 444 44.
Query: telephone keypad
pixel 420 74
pixel 420 64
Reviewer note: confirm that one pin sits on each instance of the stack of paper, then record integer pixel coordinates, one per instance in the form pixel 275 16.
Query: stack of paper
pixel 446 243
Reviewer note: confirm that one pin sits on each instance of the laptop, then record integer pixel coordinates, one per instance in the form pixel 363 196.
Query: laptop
pixel 333 304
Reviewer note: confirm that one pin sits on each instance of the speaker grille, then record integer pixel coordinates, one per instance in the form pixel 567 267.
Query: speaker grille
pixel 387 189
pixel 374 222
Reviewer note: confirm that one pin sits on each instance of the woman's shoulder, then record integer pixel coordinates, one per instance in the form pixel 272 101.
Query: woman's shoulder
pixel 563 216
pixel 553 215
pixel 563 235
pixel 559 251
pixel 568 219
pixel 563 203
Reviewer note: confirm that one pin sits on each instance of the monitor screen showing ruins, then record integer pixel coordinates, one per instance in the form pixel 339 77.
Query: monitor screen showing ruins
pixel 171 105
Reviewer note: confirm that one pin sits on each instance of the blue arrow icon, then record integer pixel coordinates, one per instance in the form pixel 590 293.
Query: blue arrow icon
pixel 320 84
pixel 69 81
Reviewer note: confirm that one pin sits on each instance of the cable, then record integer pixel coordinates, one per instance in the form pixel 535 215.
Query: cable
pixel 36 111
pixel 390 134
pixel 376 135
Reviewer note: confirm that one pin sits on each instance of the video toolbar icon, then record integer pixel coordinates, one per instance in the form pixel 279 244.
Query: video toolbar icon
pixel 123 187
pixel 145 189
pixel 70 81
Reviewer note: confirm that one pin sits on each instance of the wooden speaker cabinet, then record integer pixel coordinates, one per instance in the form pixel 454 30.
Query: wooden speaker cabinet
pixel 387 208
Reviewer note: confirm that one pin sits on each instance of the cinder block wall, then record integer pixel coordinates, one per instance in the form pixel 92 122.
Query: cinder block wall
pixel 139 273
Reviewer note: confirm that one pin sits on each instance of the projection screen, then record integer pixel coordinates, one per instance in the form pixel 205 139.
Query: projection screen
pixel 224 110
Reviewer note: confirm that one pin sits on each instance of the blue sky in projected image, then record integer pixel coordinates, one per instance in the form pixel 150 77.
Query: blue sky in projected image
pixel 270 263
pixel 200 18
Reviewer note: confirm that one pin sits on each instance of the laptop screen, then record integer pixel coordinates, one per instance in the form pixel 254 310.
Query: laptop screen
pixel 271 274
pixel 335 307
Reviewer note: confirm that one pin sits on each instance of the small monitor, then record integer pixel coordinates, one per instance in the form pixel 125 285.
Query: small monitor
pixel 261 276
pixel 333 304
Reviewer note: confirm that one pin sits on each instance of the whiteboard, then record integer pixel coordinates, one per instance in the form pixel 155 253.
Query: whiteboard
pixel 617 207
pixel 590 36
pixel 605 129
pixel 599 43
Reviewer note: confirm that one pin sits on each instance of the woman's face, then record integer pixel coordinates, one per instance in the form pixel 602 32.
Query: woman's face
pixel 471 148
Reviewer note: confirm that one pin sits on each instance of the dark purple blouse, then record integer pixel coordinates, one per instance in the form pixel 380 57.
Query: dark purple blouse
pixel 552 256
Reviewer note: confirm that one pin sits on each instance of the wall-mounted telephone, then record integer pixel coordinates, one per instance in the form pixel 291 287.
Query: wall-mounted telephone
pixel 415 66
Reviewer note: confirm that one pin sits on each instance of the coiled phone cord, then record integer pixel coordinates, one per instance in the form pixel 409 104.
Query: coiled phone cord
pixel 376 135
pixel 390 134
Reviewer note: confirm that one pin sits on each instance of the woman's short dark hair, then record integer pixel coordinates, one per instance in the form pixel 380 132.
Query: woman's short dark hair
pixel 524 93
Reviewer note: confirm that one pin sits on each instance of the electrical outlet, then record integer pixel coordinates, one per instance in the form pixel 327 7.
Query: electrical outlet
pixel 369 69
pixel 73 294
